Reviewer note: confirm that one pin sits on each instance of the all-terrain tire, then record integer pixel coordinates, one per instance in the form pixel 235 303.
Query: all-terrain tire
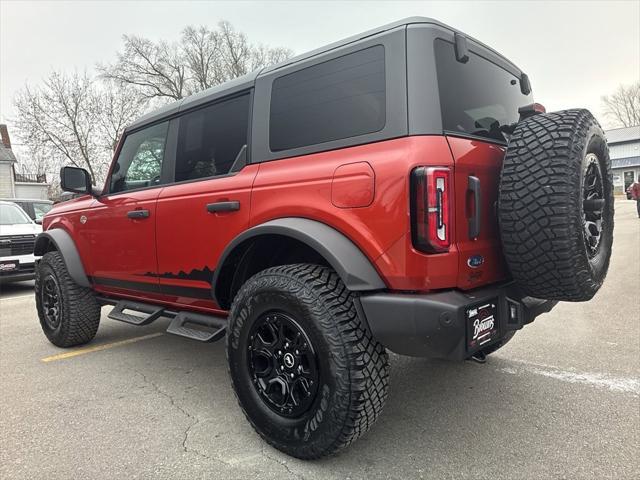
pixel 75 319
pixel 353 367
pixel 548 237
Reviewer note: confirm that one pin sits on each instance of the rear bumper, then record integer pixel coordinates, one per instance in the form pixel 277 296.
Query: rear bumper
pixel 435 325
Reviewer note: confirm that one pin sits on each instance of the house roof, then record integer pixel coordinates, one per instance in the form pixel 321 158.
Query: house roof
pixel 624 134
pixel 6 154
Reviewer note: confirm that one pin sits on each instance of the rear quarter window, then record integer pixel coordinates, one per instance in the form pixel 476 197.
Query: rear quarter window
pixel 340 98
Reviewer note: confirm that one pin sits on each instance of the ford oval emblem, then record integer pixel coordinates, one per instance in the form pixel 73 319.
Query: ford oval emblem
pixel 475 261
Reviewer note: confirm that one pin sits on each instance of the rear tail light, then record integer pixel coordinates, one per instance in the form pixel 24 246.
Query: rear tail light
pixel 430 209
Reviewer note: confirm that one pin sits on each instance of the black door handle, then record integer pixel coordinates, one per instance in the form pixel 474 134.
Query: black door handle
pixel 474 220
pixel 138 214
pixel 231 206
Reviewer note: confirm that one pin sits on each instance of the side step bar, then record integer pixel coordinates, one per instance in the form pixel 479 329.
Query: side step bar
pixel 214 328
pixel 150 312
pixel 196 326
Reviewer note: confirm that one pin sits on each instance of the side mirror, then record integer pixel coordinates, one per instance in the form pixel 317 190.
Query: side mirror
pixel 76 180
pixel 38 221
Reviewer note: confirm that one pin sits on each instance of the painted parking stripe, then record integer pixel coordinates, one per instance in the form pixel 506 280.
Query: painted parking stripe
pixel 17 296
pixel 98 348
pixel 594 379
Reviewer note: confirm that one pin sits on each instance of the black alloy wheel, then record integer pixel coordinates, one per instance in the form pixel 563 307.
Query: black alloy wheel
pixel 283 364
pixel 51 298
pixel 593 204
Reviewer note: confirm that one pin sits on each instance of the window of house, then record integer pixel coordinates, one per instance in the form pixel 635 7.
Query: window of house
pixel 140 161
pixel 211 139
pixel 340 98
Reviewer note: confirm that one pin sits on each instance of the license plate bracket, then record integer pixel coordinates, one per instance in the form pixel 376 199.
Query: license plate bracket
pixel 9 266
pixel 483 327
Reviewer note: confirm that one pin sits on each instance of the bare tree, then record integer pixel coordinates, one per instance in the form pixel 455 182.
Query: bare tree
pixel 201 59
pixel 75 119
pixel 117 106
pixel 55 120
pixel 71 119
pixel 623 106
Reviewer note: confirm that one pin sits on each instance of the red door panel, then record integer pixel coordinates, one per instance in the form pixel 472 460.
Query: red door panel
pixel 123 254
pixel 190 239
pixel 483 161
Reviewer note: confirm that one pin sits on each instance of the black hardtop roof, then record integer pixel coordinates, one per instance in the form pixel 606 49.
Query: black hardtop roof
pixel 247 81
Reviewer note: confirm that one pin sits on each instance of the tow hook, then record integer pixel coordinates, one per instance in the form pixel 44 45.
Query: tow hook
pixel 479 357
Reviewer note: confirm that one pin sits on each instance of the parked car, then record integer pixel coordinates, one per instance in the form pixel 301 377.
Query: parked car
pixel 17 239
pixel 399 190
pixel 35 208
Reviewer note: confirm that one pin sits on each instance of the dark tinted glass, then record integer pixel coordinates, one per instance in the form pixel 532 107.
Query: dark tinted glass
pixel 140 161
pixel 211 138
pixel 340 98
pixel 477 97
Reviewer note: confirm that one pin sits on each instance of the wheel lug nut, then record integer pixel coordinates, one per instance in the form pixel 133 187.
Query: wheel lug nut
pixel 281 367
pixel 292 375
pixel 297 352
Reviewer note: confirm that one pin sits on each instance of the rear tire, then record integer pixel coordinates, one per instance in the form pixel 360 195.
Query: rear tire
pixel 279 310
pixel 69 314
pixel 555 206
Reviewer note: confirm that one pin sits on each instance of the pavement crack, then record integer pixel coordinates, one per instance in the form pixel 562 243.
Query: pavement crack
pixel 193 420
pixel 281 463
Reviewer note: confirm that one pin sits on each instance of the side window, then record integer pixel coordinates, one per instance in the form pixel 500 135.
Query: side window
pixel 212 138
pixel 140 160
pixel 41 209
pixel 336 99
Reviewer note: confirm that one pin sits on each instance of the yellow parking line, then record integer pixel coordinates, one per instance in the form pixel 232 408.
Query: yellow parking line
pixel 97 348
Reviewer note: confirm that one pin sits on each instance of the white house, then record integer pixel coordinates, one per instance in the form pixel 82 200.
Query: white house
pixel 14 184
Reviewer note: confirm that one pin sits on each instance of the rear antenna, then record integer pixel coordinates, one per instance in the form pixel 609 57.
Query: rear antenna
pixel 462 51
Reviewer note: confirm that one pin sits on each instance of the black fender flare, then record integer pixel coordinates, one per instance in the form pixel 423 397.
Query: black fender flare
pixel 353 267
pixel 67 248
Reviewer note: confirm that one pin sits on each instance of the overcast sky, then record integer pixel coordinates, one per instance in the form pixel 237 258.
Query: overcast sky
pixel 573 52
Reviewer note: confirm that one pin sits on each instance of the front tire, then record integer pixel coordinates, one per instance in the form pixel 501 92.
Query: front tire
pixel 69 314
pixel 305 369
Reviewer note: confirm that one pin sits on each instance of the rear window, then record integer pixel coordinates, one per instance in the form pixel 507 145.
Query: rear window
pixel 478 97
pixel 333 100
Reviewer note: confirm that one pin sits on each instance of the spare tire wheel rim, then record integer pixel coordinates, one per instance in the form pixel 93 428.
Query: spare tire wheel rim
pixel 51 299
pixel 593 204
pixel 283 365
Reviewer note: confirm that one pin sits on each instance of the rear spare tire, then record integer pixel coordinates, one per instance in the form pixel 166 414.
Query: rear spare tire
pixel 555 206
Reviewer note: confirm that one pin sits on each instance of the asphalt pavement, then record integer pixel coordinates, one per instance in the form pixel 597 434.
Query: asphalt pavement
pixel 562 400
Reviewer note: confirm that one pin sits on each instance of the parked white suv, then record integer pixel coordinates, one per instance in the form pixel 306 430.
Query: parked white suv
pixel 17 238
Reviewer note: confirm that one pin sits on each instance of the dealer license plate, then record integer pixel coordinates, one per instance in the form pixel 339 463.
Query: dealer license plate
pixel 482 324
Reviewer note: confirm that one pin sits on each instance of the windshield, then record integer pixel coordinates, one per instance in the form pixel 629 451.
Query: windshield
pixel 477 98
pixel 12 215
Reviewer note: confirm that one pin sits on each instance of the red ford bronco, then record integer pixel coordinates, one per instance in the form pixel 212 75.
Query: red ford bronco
pixel 398 190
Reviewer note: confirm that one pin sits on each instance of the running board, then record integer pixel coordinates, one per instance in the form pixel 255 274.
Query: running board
pixel 195 326
pixel 211 328
pixel 150 313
